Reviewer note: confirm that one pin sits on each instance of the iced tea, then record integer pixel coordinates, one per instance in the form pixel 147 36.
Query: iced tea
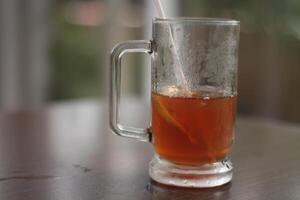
pixel 193 130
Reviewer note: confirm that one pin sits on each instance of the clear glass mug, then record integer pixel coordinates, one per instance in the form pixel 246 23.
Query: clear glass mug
pixel 194 90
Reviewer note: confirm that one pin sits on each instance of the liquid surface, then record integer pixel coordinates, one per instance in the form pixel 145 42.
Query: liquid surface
pixel 197 129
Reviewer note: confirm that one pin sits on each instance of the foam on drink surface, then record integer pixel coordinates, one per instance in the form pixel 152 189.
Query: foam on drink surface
pixel 205 92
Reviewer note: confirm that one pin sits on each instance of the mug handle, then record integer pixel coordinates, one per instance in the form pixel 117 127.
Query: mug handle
pixel 115 88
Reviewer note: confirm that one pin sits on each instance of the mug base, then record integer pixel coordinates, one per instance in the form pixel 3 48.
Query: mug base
pixel 197 176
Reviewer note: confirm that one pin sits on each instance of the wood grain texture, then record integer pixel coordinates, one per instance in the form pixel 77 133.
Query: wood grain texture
pixel 67 151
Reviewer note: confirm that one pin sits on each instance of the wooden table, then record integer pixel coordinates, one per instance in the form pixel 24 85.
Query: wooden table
pixel 66 151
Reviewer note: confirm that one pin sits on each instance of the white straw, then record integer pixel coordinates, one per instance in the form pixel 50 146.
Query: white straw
pixel 178 66
pixel 159 9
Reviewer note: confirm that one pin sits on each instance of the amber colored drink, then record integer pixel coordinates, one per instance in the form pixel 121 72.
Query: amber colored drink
pixel 193 130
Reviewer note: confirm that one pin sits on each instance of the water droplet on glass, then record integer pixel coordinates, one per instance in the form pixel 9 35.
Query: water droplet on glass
pixel 187 35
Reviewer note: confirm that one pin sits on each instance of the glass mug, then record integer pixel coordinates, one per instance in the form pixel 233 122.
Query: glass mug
pixel 193 97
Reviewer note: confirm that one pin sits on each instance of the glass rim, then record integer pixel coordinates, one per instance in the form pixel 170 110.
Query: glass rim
pixel 201 20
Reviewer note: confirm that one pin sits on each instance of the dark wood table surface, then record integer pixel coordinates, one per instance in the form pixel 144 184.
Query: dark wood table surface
pixel 66 151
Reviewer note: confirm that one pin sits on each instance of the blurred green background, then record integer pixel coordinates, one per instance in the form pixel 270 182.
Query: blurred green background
pixel 79 35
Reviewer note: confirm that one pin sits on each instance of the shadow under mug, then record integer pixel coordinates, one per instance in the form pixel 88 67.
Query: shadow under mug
pixel 193 97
